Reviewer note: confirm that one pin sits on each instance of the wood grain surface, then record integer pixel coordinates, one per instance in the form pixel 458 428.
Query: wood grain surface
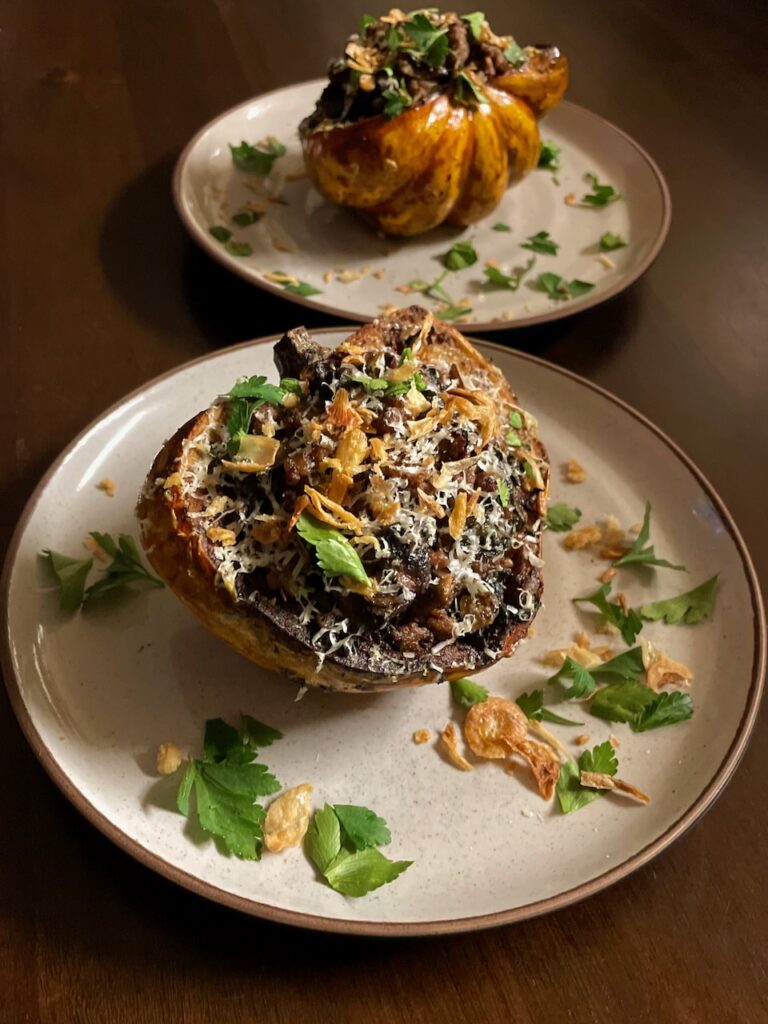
pixel 100 289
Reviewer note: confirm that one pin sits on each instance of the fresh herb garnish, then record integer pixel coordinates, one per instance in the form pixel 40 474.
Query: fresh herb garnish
pixel 226 784
pixel 291 384
pixel 609 242
pixel 459 256
pixel 475 20
pixel 396 99
pixel 515 419
pixel 501 227
pixel 238 248
pixel 513 439
pixel 335 555
pixel 220 233
pixel 628 665
pixel 293 286
pixel 583 682
pixel 601 195
pixel 541 243
pixel 256 160
pixel 532 706
pixel 515 54
pixel 557 287
pixel 549 156
pixel 502 488
pixel 562 517
pixel 467 91
pixel 571 794
pixel 71 574
pixel 428 41
pixel 125 568
pixel 342 844
pixel 642 553
pixel 257 389
pixel 627 622
pixel 498 279
pixel 248 395
pixel 389 388
pixel 454 312
pixel 640 707
pixel 666 709
pixel 243 218
pixel 467 693
pixel 433 289
pixel 688 608
pixel 365 21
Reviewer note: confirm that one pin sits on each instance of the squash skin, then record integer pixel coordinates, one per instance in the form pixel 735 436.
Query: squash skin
pixel 439 161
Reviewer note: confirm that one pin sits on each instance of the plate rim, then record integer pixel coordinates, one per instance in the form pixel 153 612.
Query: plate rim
pixel 350 926
pixel 558 312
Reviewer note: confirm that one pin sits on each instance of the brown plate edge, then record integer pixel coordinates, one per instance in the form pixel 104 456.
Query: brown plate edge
pixel 565 309
pixel 387 928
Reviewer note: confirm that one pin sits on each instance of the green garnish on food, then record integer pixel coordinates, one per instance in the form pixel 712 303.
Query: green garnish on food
pixel 541 243
pixel 459 256
pixel 609 242
pixel 467 693
pixel 562 517
pixel 515 55
pixel 513 439
pixel 226 783
pixel 342 842
pixel 467 91
pixel 71 574
pixel 475 20
pixel 549 156
pixel 642 553
pixel 257 159
pixel 238 248
pixel 532 706
pixel 294 286
pixel 334 553
pixel 502 488
pixel 426 40
pixel 601 195
pixel 243 218
pixel 501 227
pixel 220 233
pixel 627 665
pixel 571 794
pixel 627 622
pixel 396 99
pixel 686 609
pixel 640 707
pixel 515 419
pixel 498 279
pixel 248 394
pixel 291 384
pixel 557 287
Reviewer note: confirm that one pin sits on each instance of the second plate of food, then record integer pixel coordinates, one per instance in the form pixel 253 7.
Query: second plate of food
pixel 559 251
pixel 638 709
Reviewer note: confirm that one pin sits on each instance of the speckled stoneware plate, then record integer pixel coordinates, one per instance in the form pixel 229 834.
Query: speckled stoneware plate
pixel 97 693
pixel 358 271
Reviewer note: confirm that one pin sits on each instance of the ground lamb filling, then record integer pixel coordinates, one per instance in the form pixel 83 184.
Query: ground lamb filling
pixel 404 444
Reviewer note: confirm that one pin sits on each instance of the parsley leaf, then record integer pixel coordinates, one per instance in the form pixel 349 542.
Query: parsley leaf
pixel 622 702
pixel 666 709
pixel 515 54
pixel 532 706
pixel 583 682
pixel 628 623
pixel 609 242
pixel 126 566
pixel 433 289
pixel 255 160
pixel 600 759
pixel 498 279
pixel 501 227
pixel 291 384
pixel 238 248
pixel 541 243
pixel 467 693
pixel 256 734
pixel 323 839
pixel 600 195
pixel 365 21
pixel 688 608
pixel 549 156
pixel 396 99
pixel 641 553
pixel 356 874
pixel 562 517
pixel 361 826
pixel 297 287
pixel 628 665
pixel 258 389
pixel 513 439
pixel 467 91
pixel 429 41
pixel 502 488
pixel 335 555
pixel 71 574
pixel 475 21
pixel 558 288
pixel 459 256
pixel 243 218
pixel 571 794
pixel 248 394
pixel 220 233
pixel 454 312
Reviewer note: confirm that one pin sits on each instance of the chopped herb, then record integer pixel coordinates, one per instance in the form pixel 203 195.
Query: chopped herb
pixel 323 839
pixel 71 574
pixel 248 395
pixel 515 419
pixel 454 312
pixel 541 243
pixel 549 156
pixel 361 826
pixel 609 242
pixel 467 693
pixel 389 388
pixel 428 41
pixel 238 248
pixel 628 665
pixel 291 384
pixel 433 289
pixel 396 99
pixel 515 54
pixel 640 707
pixel 475 20
pixel 502 487
pixel 365 21
pixel 571 794
pixel 628 623
pixel 406 356
pixel 393 38
pixel 467 91
pixel 562 517
pixel 256 160
pixel 335 555
pixel 513 439
pixel 498 279
pixel 460 256
pixel 501 227
pixel 666 709
pixel 583 682
pixel 601 195
pixel 226 784
pixel 220 233
pixel 532 706
pixel 245 217
pixel 125 568
pixel 557 287
pixel 688 608
pixel 256 734
pixel 295 287
pixel 356 874
pixel 257 389
pixel 642 553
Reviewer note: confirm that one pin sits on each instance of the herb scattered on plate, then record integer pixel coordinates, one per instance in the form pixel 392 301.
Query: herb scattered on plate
pixel 71 574
pixel 609 242
pixel 259 159
pixel 688 608
pixel 459 256
pixel 549 156
pixel 541 243
pixel 641 552
pixel 498 279
pixel 601 194
pixel 562 517
pixel 467 693
pixel 558 288
pixel 627 621
pixel 571 794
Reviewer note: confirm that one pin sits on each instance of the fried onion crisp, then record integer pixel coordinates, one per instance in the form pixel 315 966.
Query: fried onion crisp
pixel 220 535
pixel 584 537
pixel 449 743
pixel 660 669
pixel 422 736
pixel 495 727
pixel 544 765
pixel 458 515
pixel 287 818
pixel 574 472
pixel 598 780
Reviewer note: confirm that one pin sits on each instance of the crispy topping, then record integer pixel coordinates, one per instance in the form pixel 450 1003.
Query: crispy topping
pixel 423 736
pixel 220 535
pixel 584 537
pixel 574 472
pixel 495 727
pixel 544 765
pixel 169 758
pixel 449 743
pixel 107 485
pixel 598 780
pixel 287 818
pixel 661 670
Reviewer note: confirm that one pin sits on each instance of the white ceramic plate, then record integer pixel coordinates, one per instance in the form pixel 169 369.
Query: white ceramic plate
pixel 309 237
pixel 96 694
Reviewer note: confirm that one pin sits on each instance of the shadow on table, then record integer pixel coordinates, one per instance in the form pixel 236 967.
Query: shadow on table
pixel 174 287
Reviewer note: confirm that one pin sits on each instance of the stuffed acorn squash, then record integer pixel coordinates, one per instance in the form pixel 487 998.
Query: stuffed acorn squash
pixel 428 117
pixel 373 521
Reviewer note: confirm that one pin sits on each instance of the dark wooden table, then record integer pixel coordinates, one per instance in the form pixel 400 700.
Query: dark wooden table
pixel 101 289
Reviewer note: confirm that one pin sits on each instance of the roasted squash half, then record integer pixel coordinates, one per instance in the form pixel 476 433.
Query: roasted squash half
pixel 374 521
pixel 427 119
